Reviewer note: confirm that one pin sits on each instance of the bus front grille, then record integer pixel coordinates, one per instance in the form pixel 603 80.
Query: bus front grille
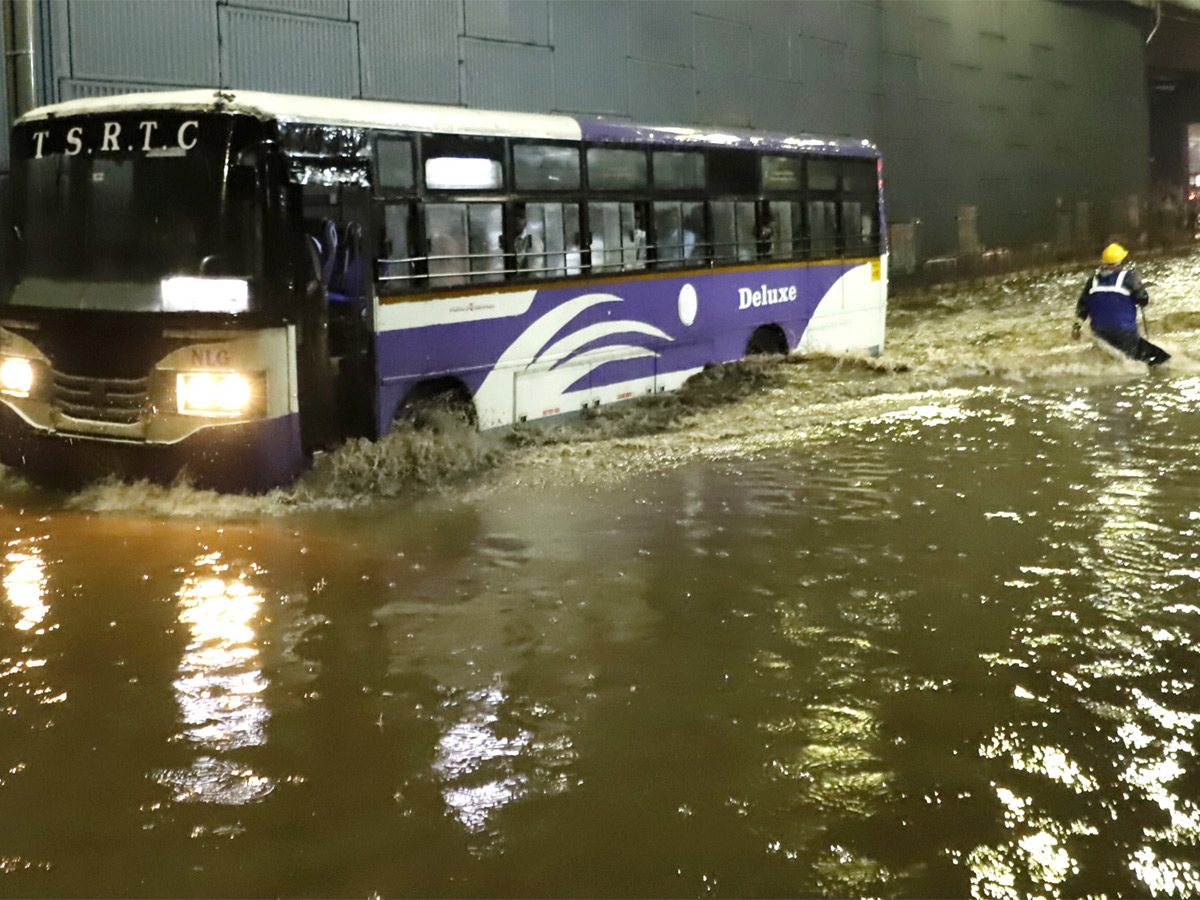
pixel 121 400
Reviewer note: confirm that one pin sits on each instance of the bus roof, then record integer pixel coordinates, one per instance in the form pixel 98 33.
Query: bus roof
pixel 601 129
pixel 424 117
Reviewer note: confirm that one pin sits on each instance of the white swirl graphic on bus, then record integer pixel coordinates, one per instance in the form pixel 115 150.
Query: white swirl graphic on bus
pixel 547 356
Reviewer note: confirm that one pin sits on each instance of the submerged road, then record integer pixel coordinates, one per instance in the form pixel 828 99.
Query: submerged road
pixel 918 626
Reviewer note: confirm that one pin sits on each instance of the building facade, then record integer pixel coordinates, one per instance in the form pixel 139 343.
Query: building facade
pixel 1004 123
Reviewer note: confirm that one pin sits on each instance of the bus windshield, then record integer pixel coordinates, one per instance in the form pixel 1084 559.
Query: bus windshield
pixel 103 230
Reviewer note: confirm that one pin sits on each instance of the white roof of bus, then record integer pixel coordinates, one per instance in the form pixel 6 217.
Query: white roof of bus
pixel 424 117
pixel 328 111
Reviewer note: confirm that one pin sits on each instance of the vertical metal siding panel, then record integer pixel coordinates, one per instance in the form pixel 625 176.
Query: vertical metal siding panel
pixel 863 75
pixel 1019 22
pixel 1044 64
pixel 55 43
pixel 966 126
pixel 965 29
pixel 322 9
pixel 722 72
pixel 824 81
pixel 936 49
pixel 507 76
pixel 777 106
pixel 523 21
pixel 73 89
pixel 409 50
pixel 129 40
pixel 823 20
pixel 992 54
pixel 901 84
pixel 899 28
pixel 859 115
pixel 864 51
pixel 661 93
pixel 589 54
pixel 289 54
pixel 661 31
pixel 773 27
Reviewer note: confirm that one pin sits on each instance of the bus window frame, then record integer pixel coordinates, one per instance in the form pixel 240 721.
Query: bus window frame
pixel 384 197
pixel 645 191
pixel 869 199
pixel 644 199
pixel 452 144
pixel 672 192
pixel 801 246
pixel 510 164
pixel 380 190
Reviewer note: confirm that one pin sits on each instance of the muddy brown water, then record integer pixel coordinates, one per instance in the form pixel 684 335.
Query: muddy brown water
pixel 924 625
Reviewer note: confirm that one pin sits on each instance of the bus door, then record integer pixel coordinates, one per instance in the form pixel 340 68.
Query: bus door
pixel 350 285
pixel 336 230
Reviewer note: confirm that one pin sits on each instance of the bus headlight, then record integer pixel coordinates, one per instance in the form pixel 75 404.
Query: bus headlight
pixel 16 376
pixel 213 393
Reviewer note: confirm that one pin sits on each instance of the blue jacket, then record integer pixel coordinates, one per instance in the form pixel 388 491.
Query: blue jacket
pixel 1110 299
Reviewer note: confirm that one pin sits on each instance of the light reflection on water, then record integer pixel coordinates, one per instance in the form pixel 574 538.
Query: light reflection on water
pixel 219 689
pixel 24 584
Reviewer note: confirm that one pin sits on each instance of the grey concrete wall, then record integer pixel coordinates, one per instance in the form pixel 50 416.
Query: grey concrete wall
pixel 1017 108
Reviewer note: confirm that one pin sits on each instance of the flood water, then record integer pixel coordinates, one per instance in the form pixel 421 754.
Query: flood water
pixel 919 626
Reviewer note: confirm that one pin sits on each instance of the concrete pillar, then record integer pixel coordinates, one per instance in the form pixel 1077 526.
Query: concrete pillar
pixel 902 247
pixel 1083 227
pixel 968 231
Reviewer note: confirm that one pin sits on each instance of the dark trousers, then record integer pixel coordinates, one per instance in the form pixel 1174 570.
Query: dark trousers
pixel 1134 346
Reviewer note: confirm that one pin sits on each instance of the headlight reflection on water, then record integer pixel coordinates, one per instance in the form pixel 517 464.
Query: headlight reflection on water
pixel 25 585
pixel 218 690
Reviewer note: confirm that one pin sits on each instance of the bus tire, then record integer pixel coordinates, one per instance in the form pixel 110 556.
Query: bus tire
pixel 434 403
pixel 767 340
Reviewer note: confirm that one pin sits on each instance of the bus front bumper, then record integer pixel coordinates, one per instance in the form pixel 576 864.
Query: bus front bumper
pixel 247 457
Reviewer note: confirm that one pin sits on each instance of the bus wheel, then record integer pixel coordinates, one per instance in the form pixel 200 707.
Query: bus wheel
pixel 767 340
pixel 439 403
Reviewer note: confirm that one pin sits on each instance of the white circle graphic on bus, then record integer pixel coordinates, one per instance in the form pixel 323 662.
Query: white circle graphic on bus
pixel 688 304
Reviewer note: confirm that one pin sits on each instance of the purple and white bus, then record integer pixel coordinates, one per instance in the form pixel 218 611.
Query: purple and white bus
pixel 220 284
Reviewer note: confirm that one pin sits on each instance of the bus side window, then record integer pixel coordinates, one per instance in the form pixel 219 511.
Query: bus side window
pixel 618 236
pixel 785 221
pixel 860 207
pixel 464 242
pixel 860 219
pixel 547 240
pixel 395 272
pixel 394 163
pixel 853 240
pixel 734 236
pixel 446 237
pixel 822 220
pixel 485 231
pixel 679 228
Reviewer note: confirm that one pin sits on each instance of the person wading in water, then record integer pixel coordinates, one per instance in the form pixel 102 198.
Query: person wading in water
pixel 1111 299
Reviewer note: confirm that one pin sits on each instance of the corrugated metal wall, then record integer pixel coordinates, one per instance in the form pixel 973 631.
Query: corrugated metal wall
pixel 1020 109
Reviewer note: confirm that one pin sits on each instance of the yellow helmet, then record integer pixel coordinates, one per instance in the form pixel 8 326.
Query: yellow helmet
pixel 1113 255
